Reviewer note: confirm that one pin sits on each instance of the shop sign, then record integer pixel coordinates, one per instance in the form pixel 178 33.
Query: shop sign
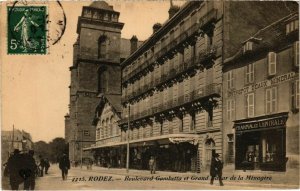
pixel 177 140
pixel 263 84
pixel 278 122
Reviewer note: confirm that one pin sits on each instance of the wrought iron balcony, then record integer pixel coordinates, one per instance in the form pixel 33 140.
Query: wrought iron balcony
pixel 185 66
pixel 209 90
pixel 185 36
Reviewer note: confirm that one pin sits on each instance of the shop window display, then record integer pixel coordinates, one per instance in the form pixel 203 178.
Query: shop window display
pixel 261 150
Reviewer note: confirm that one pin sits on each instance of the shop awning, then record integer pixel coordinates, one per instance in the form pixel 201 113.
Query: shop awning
pixel 162 139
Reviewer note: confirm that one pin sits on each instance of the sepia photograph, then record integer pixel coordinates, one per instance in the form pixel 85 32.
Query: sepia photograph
pixel 149 95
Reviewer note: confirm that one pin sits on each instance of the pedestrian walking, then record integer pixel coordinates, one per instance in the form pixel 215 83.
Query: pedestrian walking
pixel 152 164
pixel 47 165
pixel 14 166
pixel 216 168
pixel 30 169
pixel 42 165
pixel 64 166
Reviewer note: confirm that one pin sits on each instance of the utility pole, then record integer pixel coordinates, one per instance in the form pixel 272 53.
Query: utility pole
pixel 74 144
pixel 81 148
pixel 13 138
pixel 128 127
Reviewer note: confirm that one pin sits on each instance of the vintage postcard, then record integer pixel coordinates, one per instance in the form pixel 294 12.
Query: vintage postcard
pixel 149 95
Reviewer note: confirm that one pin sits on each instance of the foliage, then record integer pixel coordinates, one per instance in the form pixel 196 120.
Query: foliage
pixel 52 150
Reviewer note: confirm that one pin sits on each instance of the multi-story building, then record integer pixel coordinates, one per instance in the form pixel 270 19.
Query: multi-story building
pixel 16 139
pixel 261 99
pixel 172 104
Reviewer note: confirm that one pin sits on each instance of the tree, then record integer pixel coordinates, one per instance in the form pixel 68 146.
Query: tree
pixel 41 148
pixel 52 150
pixel 57 146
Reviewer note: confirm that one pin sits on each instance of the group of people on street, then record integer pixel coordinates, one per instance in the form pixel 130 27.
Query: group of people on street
pixel 22 168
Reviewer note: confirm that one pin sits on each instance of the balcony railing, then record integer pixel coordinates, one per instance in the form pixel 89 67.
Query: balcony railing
pixel 191 63
pixel 178 41
pixel 202 92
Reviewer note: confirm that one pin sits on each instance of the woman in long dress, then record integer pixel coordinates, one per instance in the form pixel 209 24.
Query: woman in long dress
pixel 26 33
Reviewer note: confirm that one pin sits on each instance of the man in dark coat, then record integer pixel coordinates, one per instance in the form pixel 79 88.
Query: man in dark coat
pixel 42 164
pixel 216 168
pixel 47 165
pixel 13 168
pixel 64 165
pixel 30 169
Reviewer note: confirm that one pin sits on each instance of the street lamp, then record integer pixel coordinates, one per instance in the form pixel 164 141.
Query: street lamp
pixel 128 127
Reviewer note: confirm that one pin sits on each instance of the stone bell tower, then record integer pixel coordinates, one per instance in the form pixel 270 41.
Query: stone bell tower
pixel 95 71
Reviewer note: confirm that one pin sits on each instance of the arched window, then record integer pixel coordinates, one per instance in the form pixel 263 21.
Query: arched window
pixel 110 127
pixel 102 46
pixel 209 146
pixel 106 128
pixel 102 130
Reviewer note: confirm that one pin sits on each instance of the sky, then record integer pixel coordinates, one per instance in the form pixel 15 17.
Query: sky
pixel 34 88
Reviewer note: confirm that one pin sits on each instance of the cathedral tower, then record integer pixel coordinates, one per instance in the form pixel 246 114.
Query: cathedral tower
pixel 95 72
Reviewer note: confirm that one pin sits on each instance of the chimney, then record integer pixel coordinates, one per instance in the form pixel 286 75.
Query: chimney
pixel 156 27
pixel 173 9
pixel 133 44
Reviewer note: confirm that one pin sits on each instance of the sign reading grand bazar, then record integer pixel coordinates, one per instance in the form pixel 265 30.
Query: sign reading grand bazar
pixel 215 78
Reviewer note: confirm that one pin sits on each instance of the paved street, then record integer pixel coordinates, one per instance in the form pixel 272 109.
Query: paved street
pixel 53 181
pixel 114 179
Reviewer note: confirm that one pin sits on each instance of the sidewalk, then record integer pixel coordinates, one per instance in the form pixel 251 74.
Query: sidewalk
pixel 264 179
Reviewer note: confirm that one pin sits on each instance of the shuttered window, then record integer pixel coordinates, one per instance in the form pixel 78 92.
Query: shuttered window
pixel 271 100
pixel 250 73
pixel 272 58
pixel 295 94
pixel 250 105
pixel 296 53
pixel 230 109
pixel 230 79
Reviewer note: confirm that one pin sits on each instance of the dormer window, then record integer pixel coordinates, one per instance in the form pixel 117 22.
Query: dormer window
pixel 292 26
pixel 248 46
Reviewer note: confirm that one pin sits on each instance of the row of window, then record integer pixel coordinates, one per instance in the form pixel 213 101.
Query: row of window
pixel 271 101
pixel 194 85
pixel 292 26
pixel 188 53
pixel 171 128
pixel 272 67
pixel 169 38
pixel 107 131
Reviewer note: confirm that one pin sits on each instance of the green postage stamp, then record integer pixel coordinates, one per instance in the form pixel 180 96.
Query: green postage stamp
pixel 27 30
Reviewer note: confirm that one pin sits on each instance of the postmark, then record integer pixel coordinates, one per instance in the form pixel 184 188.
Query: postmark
pixel 27 30
pixel 33 27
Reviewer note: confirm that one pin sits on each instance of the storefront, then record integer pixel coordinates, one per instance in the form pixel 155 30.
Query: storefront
pixel 261 143
pixel 175 152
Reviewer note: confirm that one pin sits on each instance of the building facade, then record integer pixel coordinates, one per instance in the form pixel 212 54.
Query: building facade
pixel 95 71
pixel 172 86
pixel 16 139
pixel 261 99
pixel 171 90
